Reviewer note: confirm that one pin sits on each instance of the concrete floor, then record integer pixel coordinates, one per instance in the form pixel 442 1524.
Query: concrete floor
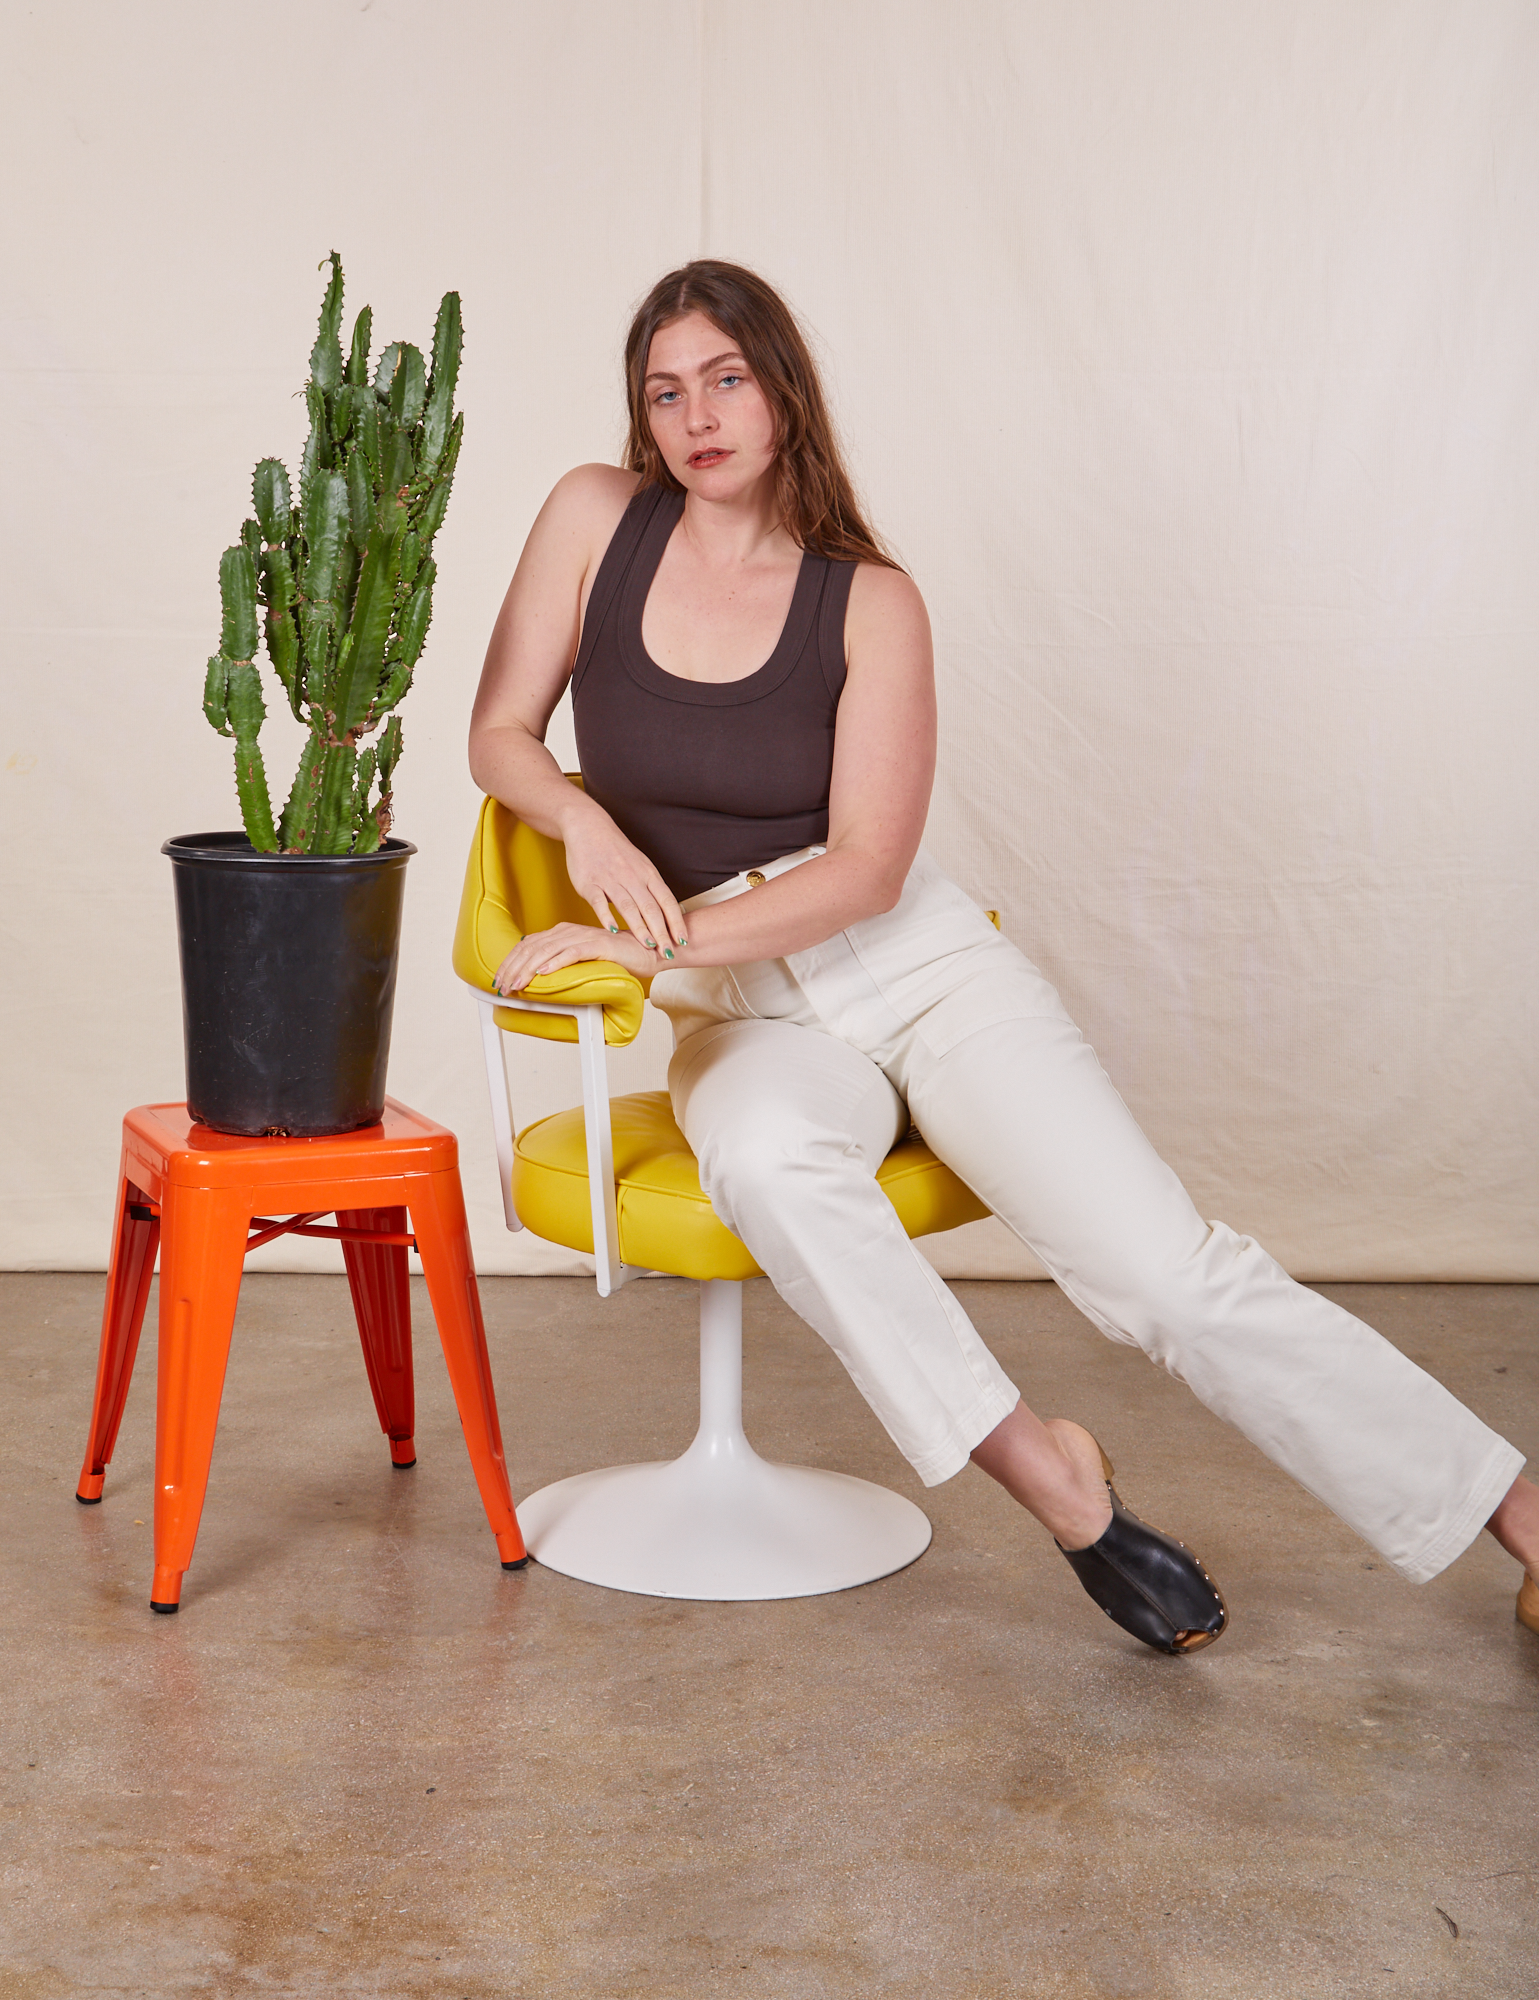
pixel 362 1760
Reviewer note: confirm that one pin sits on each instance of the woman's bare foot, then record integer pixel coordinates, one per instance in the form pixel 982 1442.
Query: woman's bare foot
pixel 1515 1524
pixel 1054 1470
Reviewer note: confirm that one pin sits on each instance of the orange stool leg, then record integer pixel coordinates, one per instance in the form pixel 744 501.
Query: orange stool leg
pixel 443 1243
pixel 203 1254
pixel 381 1291
pixel 128 1287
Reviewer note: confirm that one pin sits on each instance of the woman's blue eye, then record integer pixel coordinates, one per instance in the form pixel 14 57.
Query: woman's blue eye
pixel 665 394
pixel 730 378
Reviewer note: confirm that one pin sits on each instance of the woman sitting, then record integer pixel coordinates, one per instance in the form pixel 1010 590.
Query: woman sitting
pixel 753 694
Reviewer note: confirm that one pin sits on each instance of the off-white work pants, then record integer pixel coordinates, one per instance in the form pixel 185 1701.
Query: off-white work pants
pixel 792 1078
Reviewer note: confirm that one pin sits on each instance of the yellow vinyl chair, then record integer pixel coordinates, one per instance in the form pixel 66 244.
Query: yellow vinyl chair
pixel 615 1178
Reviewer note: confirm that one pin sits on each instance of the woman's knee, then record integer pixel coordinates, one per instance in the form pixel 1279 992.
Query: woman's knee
pixel 756 1132
pixel 775 1153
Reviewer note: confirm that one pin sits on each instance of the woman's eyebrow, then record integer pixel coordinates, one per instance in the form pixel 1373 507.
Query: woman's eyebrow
pixel 667 375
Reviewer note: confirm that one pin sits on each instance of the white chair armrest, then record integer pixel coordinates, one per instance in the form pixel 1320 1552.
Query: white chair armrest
pixel 610 1272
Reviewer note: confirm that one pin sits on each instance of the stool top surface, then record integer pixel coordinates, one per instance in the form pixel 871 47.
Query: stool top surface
pixel 192 1154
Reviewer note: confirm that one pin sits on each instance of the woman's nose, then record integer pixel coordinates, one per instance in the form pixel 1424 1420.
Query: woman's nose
pixel 701 418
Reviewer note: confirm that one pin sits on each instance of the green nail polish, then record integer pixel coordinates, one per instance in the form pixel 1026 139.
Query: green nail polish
pixel 650 943
pixel 614 930
pixel 667 954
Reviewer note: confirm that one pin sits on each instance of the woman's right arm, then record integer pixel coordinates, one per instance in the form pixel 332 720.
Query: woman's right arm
pixel 528 664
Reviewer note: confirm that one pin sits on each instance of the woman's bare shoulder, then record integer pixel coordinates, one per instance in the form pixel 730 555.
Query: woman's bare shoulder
pixel 597 485
pixel 884 603
pixel 580 514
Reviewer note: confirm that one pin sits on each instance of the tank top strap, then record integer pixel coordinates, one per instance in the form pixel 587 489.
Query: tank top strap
pixel 832 612
pixel 613 569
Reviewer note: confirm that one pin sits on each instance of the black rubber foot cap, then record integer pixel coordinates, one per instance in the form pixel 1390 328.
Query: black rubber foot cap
pixel 522 1563
pixel 87 1500
pixel 402 1464
pixel 164 1609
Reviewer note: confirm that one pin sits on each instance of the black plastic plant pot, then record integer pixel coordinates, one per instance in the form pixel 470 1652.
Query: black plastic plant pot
pixel 288 982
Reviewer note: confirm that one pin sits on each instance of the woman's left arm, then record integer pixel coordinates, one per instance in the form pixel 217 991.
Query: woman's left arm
pixel 884 765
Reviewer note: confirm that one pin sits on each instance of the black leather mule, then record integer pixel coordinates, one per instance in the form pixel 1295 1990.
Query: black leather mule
pixel 1149 1583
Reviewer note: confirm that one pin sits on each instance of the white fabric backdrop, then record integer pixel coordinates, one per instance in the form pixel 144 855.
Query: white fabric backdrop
pixel 1187 353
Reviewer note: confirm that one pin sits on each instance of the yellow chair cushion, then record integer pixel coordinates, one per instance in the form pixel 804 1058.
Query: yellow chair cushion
pixel 516 882
pixel 666 1223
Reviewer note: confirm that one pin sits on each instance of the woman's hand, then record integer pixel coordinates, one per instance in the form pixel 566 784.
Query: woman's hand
pixel 572 944
pixel 612 875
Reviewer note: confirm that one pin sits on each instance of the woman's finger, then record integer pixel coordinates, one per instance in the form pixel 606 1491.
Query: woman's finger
pixel 673 916
pixel 518 968
pixel 597 900
pixel 625 902
pixel 659 912
pixel 646 929
pixel 669 914
pixel 662 930
pixel 550 951
pixel 512 975
pixel 569 944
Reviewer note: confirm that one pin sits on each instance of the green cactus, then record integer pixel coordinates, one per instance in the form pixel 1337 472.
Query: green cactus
pixel 345 578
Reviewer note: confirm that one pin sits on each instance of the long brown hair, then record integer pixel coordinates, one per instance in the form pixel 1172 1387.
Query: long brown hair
pixel 815 495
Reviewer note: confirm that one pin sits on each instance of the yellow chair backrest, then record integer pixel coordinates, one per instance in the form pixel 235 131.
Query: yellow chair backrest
pixel 516 882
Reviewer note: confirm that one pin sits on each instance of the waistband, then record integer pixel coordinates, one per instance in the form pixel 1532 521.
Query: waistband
pixel 752 878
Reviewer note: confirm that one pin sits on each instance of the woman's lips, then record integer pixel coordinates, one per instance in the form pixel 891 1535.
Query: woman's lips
pixel 712 455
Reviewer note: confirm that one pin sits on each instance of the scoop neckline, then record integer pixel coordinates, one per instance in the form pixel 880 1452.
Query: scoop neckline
pixel 637 587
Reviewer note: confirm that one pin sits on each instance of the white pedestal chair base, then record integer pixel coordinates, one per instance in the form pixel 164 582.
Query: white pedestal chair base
pixel 721 1523
pixel 731 1528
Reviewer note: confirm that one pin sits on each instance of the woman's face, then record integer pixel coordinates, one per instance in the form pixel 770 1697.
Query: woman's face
pixel 709 416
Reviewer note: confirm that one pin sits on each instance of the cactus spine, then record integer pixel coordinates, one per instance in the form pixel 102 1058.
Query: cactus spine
pixel 345 580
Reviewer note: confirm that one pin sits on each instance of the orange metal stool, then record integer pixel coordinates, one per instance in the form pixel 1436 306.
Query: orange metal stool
pixel 205 1198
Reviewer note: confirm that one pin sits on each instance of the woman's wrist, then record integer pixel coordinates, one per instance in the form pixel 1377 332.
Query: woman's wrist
pixel 573 811
pixel 626 950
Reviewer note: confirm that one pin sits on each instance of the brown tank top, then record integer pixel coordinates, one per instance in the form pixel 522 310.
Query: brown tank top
pixel 707 778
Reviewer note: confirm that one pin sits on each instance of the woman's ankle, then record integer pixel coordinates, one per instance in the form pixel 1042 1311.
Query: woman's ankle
pixel 1515 1524
pixel 1092 1509
pixel 1053 1469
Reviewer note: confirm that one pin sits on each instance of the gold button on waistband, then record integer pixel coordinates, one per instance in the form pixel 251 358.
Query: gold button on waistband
pixel 755 878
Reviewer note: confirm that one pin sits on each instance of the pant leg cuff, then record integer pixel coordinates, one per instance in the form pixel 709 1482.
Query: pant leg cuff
pixel 1501 1468
pixel 946 1460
